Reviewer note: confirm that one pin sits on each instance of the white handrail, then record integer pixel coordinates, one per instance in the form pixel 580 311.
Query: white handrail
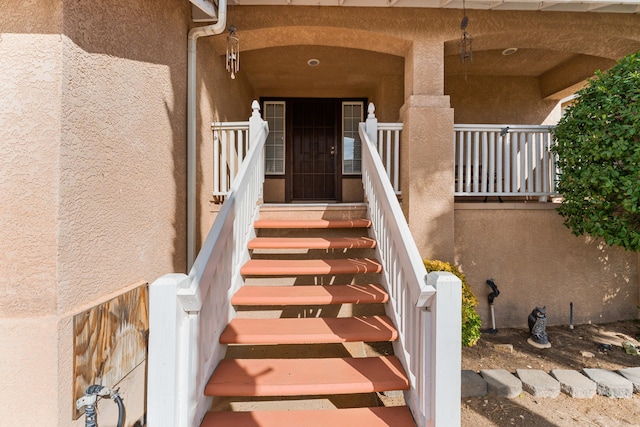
pixel 188 313
pixel 428 323
pixel 504 160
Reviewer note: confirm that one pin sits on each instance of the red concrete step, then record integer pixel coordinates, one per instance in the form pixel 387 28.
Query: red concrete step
pixel 311 243
pixel 314 223
pixel 310 295
pixel 396 416
pixel 313 330
pixel 288 267
pixel 305 377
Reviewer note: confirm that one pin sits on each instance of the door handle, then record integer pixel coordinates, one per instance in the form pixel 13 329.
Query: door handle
pixel 332 152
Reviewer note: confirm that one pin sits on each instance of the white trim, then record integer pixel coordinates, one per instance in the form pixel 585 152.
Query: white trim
pixel 610 6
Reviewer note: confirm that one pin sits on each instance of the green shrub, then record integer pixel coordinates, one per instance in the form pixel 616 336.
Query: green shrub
pixel 470 319
pixel 598 148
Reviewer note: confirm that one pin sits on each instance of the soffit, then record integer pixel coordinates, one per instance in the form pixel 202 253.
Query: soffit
pixel 620 6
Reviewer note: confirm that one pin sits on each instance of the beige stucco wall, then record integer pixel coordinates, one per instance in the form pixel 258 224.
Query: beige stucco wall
pixel 93 182
pixel 30 108
pixel 536 261
pixel 122 152
pixel 31 68
pixel 427 183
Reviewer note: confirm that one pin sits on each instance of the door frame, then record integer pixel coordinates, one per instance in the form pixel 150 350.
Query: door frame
pixel 289 138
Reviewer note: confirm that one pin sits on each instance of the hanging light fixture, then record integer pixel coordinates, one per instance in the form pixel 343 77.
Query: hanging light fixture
pixel 233 52
pixel 466 41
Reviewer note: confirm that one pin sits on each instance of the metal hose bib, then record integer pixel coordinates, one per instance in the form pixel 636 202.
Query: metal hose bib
pixel 89 400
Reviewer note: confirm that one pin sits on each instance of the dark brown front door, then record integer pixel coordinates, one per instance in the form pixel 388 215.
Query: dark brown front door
pixel 314 148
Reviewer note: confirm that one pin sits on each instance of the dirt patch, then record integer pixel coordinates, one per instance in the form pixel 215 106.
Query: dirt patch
pixel 587 346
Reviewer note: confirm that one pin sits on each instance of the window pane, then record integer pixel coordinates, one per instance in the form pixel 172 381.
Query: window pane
pixel 274 114
pixel 351 144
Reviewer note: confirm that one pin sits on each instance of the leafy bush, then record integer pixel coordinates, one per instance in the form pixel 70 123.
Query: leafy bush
pixel 470 319
pixel 598 148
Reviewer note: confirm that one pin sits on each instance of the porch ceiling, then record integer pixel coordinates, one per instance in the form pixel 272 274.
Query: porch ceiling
pixel 607 6
pixel 285 70
pixel 524 62
pixel 556 48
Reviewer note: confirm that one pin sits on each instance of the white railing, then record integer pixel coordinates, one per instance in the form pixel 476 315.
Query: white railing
pixel 230 146
pixel 388 145
pixel 188 313
pixel 425 308
pixel 514 160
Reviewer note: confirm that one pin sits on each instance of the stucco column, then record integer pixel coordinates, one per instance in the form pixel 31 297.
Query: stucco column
pixel 427 152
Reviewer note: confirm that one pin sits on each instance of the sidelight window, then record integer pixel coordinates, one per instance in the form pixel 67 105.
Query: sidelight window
pixel 351 144
pixel 274 114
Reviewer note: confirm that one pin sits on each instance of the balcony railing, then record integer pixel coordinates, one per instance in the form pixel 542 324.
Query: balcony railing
pixel 388 146
pixel 494 160
pixel 230 147
pixel 231 144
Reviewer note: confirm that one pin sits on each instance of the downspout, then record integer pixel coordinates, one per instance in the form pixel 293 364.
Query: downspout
pixel 194 35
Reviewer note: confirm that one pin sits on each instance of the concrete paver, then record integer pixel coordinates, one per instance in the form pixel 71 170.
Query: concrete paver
pixel 610 384
pixel 581 385
pixel 633 375
pixel 501 382
pixel 574 383
pixel 473 385
pixel 538 383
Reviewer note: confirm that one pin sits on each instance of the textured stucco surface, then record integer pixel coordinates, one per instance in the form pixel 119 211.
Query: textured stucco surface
pixel 536 261
pixel 31 17
pixel 500 100
pixel 93 177
pixel 122 154
pixel 30 107
pixel 29 371
pixel 427 183
pixel 30 128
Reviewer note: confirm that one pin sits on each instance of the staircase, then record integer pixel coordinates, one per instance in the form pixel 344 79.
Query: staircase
pixel 310 343
pixel 302 352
